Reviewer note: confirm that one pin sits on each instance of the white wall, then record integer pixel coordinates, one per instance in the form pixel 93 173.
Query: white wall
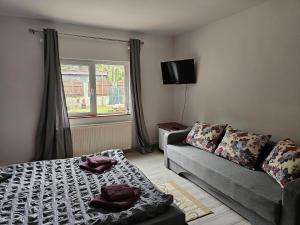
pixel 248 70
pixel 248 74
pixel 21 78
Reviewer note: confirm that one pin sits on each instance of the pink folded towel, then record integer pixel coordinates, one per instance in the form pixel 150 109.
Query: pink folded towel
pixel 97 164
pixel 96 161
pixel 116 205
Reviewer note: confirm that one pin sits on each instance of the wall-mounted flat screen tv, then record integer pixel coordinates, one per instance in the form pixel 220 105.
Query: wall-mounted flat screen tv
pixel 178 72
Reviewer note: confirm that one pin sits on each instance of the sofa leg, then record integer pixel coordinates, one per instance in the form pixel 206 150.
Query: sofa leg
pixel 166 160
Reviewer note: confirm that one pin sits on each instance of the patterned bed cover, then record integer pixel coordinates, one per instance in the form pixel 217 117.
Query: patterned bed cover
pixel 58 192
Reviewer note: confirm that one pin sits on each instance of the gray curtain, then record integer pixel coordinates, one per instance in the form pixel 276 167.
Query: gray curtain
pixel 53 139
pixel 135 78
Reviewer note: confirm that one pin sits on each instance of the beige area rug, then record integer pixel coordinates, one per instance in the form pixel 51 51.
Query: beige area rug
pixel 192 208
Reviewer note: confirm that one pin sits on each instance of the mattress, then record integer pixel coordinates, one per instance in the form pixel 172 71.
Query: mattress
pixel 58 192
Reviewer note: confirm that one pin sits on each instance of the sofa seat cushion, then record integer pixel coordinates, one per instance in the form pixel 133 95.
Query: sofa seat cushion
pixel 254 190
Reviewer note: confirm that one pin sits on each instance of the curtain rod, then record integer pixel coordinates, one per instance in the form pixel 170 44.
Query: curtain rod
pixel 33 31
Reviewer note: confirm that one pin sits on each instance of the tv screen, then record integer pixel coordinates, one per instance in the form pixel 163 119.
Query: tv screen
pixel 178 72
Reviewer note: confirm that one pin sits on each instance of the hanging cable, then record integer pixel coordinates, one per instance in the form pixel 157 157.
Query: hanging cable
pixel 184 104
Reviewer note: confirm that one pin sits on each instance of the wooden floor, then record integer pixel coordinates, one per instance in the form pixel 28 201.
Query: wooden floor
pixel 153 166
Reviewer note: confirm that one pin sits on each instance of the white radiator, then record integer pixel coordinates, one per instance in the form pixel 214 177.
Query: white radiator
pixel 88 139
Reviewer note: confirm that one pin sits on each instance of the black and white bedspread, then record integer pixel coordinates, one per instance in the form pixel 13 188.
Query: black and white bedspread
pixel 58 192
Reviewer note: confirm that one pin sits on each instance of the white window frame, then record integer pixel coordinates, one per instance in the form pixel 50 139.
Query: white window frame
pixel 92 78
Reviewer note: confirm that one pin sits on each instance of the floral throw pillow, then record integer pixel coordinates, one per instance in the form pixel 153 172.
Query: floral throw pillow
pixel 242 147
pixel 283 163
pixel 205 136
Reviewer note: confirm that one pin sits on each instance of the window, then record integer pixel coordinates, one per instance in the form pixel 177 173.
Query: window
pixel 95 87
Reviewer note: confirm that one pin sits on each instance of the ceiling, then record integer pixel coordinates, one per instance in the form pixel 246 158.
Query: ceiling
pixel 168 17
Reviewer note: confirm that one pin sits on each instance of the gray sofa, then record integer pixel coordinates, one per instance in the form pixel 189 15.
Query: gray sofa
pixel 253 194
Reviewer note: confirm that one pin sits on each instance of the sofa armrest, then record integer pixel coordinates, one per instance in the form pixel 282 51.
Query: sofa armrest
pixel 177 136
pixel 174 137
pixel 291 203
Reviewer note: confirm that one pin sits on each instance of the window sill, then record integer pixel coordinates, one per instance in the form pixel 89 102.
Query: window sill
pixel 98 116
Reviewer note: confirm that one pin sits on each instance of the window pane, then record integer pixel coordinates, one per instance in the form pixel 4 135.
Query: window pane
pixel 110 88
pixel 76 85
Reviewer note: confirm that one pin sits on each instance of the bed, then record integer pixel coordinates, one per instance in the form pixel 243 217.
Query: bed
pixel 58 192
